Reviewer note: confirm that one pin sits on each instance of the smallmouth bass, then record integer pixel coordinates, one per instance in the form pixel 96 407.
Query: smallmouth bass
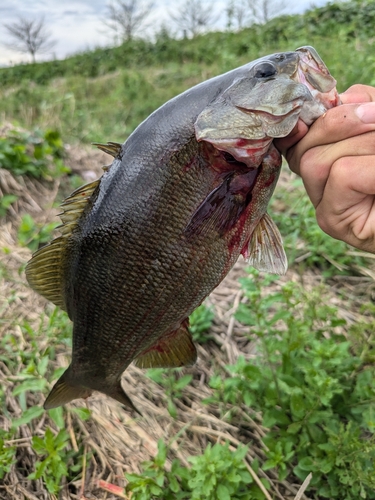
pixel 185 195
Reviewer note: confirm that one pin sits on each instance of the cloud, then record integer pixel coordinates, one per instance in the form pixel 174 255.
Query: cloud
pixel 77 25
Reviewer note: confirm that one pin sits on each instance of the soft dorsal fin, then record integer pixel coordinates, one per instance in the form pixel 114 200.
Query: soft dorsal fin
pixel 265 251
pixel 171 350
pixel 111 148
pixel 44 272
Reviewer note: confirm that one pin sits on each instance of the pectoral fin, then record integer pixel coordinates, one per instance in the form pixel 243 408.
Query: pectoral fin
pixel 265 250
pixel 171 351
pixel 223 207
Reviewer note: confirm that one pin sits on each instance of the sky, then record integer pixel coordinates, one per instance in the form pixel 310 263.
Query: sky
pixel 77 25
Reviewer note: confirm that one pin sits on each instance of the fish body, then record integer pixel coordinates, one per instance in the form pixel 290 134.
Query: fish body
pixel 185 195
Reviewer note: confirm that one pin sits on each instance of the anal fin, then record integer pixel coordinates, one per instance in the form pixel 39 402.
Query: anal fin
pixel 172 350
pixel 265 250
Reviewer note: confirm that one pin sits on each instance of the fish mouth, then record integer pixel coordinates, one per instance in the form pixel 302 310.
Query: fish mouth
pixel 314 74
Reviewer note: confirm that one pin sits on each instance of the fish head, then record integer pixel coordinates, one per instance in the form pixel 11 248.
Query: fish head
pixel 266 102
pixel 237 129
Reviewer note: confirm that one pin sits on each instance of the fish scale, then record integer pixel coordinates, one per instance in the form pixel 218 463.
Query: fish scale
pixel 186 194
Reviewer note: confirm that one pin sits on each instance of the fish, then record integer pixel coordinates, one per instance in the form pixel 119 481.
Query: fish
pixel 185 195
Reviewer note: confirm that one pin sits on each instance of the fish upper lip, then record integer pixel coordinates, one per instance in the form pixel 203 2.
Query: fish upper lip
pixel 312 72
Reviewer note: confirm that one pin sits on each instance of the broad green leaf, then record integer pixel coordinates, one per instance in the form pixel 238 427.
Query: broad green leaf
pixel 57 415
pixel 28 416
pixel 33 385
pixel 298 405
pixel 222 492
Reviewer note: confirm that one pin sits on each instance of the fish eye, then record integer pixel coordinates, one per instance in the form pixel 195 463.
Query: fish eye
pixel 264 70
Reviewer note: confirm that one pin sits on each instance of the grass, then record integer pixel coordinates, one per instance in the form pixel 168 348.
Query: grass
pixel 110 106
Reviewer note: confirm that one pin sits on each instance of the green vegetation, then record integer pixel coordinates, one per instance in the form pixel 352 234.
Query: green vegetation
pixel 347 20
pixel 103 95
pixel 33 154
pixel 55 464
pixel 313 384
pixel 199 323
pixel 171 383
pixel 306 245
pixel 33 235
pixel 316 389
pixel 218 474
pixel 5 202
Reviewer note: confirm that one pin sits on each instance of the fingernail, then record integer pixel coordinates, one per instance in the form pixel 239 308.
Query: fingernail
pixel 366 112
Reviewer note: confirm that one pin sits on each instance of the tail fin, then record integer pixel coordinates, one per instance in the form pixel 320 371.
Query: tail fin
pixel 119 394
pixel 63 392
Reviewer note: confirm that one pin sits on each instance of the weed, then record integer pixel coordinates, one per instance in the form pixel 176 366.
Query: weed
pixel 218 474
pixel 173 384
pixel 34 235
pixel 5 202
pixel 314 388
pixel 7 453
pixel 200 322
pixel 156 482
pixel 36 154
pixel 54 466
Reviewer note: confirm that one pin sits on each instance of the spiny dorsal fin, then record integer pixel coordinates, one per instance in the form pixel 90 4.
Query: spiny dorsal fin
pixel 266 251
pixel 171 350
pixel 44 272
pixel 112 148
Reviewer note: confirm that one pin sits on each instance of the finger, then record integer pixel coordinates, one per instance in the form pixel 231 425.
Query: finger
pixel 357 94
pixel 299 131
pixel 317 162
pixel 347 209
pixel 337 124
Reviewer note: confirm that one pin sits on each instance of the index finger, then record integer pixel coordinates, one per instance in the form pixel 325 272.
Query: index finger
pixel 358 94
pixel 337 124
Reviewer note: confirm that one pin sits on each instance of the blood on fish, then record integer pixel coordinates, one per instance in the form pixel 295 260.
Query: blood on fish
pixel 270 181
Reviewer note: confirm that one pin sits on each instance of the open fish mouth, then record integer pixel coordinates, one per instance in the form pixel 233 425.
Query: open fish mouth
pixel 313 73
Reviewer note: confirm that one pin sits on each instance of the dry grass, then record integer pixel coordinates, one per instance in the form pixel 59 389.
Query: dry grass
pixel 113 441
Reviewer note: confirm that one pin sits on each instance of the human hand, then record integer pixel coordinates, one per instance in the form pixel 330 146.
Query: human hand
pixel 336 160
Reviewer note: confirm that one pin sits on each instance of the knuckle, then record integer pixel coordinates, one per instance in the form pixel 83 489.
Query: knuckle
pixel 357 87
pixel 313 163
pixel 342 171
pixel 322 221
